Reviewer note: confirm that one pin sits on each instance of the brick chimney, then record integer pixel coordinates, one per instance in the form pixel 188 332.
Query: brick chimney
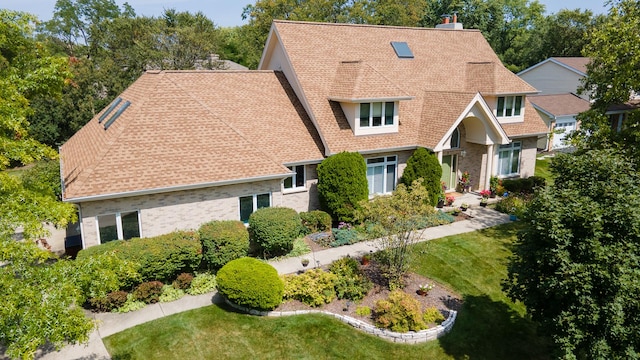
pixel 455 25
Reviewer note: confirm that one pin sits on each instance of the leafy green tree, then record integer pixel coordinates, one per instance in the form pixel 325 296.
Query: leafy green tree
pixel 575 265
pixel 398 215
pixel 423 164
pixel 612 78
pixel 342 184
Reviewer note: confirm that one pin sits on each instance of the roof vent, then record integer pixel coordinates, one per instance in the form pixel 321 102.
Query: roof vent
pixel 117 114
pixel 402 49
pixel 109 110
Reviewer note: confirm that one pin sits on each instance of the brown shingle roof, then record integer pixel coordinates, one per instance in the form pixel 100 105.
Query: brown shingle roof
pixel 560 104
pixel 577 63
pixel 443 61
pixel 532 123
pixel 191 127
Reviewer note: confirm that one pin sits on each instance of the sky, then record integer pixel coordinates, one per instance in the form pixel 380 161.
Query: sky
pixel 229 12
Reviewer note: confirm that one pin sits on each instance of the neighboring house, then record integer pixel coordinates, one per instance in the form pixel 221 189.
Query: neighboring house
pixel 558 79
pixel 559 113
pixel 179 148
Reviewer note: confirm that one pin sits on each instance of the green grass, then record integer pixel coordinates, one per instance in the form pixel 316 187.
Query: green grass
pixel 489 326
pixel 542 169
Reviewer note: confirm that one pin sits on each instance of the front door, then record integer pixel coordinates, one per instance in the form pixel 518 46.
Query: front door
pixel 449 170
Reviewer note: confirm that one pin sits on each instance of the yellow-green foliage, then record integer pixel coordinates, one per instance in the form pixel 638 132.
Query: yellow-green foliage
pixel 433 316
pixel 313 287
pixel 399 313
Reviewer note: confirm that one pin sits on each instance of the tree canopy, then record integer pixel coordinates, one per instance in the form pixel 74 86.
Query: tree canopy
pixel 577 262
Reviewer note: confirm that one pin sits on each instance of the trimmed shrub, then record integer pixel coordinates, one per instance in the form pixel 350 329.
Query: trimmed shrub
pixel 433 316
pixel 149 292
pixel 183 281
pixel 131 305
pixel 350 283
pixel 345 236
pixel 315 221
pixel 400 312
pixel 250 282
pixel 158 258
pixel 202 284
pixel 223 241
pixel 342 185
pixel 424 164
pixel 274 229
pixel 512 204
pixel 313 287
pixel 363 311
pixel 524 185
pixel 170 293
pixel 112 300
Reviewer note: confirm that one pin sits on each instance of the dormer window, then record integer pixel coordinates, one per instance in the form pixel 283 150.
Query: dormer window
pixel 376 114
pixel 509 106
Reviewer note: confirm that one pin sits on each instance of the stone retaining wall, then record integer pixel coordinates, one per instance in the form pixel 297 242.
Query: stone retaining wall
pixel 411 337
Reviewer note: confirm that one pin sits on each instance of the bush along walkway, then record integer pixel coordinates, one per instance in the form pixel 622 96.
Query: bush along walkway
pixel 111 323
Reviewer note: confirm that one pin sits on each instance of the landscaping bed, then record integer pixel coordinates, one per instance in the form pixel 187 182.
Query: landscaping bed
pixel 439 297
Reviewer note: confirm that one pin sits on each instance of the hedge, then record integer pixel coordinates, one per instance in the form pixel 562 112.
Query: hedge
pixel 223 241
pixel 316 221
pixel 158 258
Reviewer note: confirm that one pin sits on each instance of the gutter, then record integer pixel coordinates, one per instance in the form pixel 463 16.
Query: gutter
pixel 175 188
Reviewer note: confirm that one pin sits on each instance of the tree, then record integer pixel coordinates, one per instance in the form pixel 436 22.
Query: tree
pixel 425 165
pixel 612 78
pixel 575 265
pixel 398 215
pixel 342 184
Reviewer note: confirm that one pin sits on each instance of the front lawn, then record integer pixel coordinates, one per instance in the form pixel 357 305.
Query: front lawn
pixel 542 169
pixel 488 327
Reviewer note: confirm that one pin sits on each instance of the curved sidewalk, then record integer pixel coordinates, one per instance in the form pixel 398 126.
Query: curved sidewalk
pixel 110 323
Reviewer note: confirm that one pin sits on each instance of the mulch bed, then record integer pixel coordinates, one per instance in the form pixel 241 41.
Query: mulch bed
pixel 439 297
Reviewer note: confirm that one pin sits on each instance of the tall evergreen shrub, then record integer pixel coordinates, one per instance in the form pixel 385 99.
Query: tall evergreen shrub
pixel 424 164
pixel 223 241
pixel 342 185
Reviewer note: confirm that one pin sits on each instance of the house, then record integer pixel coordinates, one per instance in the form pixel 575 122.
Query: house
pixel 558 80
pixel 179 148
pixel 559 112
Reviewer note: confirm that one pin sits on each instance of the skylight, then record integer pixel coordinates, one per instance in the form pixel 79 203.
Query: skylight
pixel 402 49
pixel 109 110
pixel 117 114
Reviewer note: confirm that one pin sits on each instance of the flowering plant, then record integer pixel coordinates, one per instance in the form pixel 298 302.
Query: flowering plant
pixel 485 193
pixel 450 200
pixel 344 225
pixel 426 287
pixel 465 179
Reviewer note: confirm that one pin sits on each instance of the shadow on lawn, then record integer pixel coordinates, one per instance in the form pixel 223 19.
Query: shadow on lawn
pixel 487 329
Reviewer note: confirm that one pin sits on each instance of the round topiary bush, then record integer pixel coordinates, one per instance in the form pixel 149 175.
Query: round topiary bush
pixel 342 185
pixel 223 241
pixel 274 229
pixel 424 164
pixel 252 283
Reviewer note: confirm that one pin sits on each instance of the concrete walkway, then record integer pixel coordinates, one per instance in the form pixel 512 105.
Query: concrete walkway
pixel 110 323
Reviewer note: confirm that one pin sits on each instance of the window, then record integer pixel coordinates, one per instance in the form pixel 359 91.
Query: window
pixel 455 139
pixel 376 114
pixel 509 106
pixel 297 180
pixel 509 159
pixel 118 226
pixel 381 174
pixel 249 204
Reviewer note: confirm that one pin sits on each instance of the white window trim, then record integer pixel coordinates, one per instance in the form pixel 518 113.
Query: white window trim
pixel 503 118
pixel 294 188
pixel 383 123
pixel 510 150
pixel 384 165
pixel 255 204
pixel 118 215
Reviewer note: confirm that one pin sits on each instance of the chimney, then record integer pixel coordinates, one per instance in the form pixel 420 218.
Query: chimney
pixel 455 25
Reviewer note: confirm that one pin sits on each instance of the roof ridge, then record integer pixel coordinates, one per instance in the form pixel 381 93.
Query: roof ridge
pixel 368 25
pixel 233 128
